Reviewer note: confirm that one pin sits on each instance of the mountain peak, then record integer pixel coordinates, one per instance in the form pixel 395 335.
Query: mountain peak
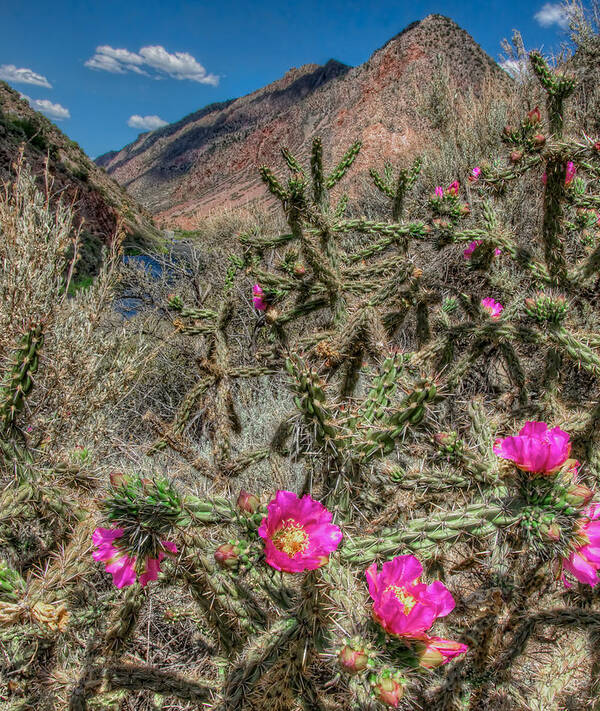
pixel 210 159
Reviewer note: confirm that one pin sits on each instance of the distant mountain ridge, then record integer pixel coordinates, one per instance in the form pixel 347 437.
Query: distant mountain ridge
pixel 98 199
pixel 209 159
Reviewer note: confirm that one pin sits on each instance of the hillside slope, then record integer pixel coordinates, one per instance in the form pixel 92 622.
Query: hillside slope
pixel 209 159
pixel 98 199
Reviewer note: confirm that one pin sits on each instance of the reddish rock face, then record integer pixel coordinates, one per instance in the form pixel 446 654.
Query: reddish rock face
pixel 209 160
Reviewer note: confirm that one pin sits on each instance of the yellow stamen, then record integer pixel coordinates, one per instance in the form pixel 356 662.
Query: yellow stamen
pixel 291 538
pixel 407 600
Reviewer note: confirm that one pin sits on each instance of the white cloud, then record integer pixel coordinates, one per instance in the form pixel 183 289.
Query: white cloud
pixel 55 111
pixel 552 14
pixel 147 123
pixel 516 68
pixel 179 65
pixel 9 72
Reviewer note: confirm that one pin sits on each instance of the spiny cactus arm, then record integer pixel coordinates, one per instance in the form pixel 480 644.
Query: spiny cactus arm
pixel 343 166
pixel 18 382
pixel 261 655
pixel 382 184
pixel 257 372
pixel 427 533
pixel 193 313
pixel 399 236
pixel 259 244
pixel 371 227
pixel 235 467
pixel 222 619
pixel 67 567
pixel 311 401
pixel 557 87
pixel 292 162
pixel 301 309
pixel 484 438
pixel 435 480
pixel 587 268
pixel 340 208
pixel 319 264
pixel 514 171
pixel 273 281
pixel 575 349
pixel 274 186
pixel 198 510
pixel 123 619
pixel 316 170
pixel 389 291
pixel 136 677
pixel 382 390
pixel 179 444
pixel 515 369
pixel 382 268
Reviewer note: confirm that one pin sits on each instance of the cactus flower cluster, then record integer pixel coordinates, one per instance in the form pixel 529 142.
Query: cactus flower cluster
pixel 122 567
pixel 472 246
pixel 258 298
pixel 407 608
pixel 494 308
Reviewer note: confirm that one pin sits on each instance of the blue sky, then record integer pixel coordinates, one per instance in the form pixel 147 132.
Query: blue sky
pixel 104 70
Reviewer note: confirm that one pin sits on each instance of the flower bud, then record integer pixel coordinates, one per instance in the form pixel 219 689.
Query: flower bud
pixel 507 130
pixel 299 270
pixel 247 502
pixel 449 442
pixel 539 140
pixel 227 556
pixel 117 479
pixel 466 210
pixel 271 315
pixel 534 116
pixel 550 532
pixel 388 690
pixel 174 301
pixel 435 651
pixel 353 659
pixel 516 156
pixel 597 146
pixel 578 496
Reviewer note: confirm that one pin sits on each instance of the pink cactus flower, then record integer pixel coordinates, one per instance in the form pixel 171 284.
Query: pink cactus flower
pixel 494 308
pixel 439 191
pixel 453 188
pixel 298 533
pixel 475 173
pixel 584 562
pixel 119 564
pixel 536 449
pixel 570 172
pixel 468 251
pixel 435 651
pixel 401 604
pixel 258 298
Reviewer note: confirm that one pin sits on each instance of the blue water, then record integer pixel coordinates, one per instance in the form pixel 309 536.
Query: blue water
pixel 128 306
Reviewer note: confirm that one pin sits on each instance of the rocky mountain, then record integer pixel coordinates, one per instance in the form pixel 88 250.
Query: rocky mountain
pixel 98 199
pixel 209 159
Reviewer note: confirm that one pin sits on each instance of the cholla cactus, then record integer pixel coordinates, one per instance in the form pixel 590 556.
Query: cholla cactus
pixel 431 536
